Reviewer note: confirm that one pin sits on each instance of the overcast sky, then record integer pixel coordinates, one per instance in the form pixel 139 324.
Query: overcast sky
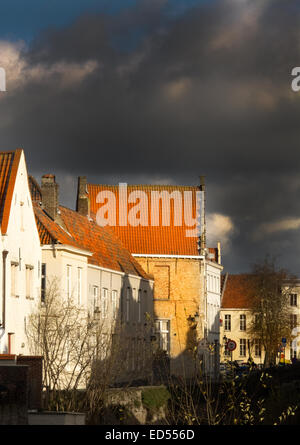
pixel 162 91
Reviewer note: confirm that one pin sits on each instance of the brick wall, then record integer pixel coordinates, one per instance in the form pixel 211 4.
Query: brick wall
pixel 178 295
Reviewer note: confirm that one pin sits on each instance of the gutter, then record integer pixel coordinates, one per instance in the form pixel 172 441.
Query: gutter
pixel 155 255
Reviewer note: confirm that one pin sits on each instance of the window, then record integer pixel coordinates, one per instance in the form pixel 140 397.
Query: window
pixel 128 297
pixel 133 353
pixel 13 278
pixel 227 326
pixel 104 303
pixel 242 322
pixel 242 347
pixel 127 359
pixel 140 306
pixel 139 355
pixel 257 347
pixel 103 346
pixel 69 278
pixel 293 320
pixel 43 283
pixel 29 281
pixel 162 331
pixel 114 296
pixel 257 319
pixel 95 298
pixel 293 299
pixel 79 285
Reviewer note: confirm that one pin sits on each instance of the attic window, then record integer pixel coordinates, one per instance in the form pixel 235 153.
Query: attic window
pixel 13 278
pixel 29 281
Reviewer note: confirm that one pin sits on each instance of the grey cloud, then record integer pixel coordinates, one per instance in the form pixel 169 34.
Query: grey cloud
pixel 205 93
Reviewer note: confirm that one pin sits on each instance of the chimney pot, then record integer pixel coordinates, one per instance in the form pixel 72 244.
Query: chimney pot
pixel 83 201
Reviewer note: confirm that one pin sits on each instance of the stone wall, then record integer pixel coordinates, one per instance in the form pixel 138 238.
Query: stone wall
pixel 133 406
pixel 56 418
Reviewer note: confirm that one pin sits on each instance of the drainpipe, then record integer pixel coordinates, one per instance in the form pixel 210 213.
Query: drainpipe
pixel 4 256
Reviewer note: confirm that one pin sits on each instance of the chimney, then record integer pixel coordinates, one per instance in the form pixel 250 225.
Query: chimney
pixel 50 195
pixel 83 201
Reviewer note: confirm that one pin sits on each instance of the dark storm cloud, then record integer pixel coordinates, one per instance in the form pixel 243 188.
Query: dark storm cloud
pixel 143 95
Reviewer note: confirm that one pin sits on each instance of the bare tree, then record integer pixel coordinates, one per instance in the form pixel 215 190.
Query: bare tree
pixel 82 351
pixel 69 340
pixel 270 308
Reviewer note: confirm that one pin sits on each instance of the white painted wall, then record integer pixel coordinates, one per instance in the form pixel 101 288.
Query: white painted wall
pixel 57 259
pixel 23 246
pixel 213 288
pixel 118 281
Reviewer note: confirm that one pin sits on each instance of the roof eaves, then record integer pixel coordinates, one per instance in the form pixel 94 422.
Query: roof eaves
pixel 10 190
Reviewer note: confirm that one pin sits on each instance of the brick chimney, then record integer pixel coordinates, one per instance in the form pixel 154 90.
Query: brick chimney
pixel 50 191
pixel 83 201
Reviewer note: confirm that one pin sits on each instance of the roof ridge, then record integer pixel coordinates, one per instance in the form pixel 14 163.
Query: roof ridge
pixel 143 185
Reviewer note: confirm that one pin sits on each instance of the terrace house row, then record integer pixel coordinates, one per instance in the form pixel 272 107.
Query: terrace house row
pixel 41 241
pixel 99 273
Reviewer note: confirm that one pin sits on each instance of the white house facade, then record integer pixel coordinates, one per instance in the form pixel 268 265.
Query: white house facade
pixel 20 274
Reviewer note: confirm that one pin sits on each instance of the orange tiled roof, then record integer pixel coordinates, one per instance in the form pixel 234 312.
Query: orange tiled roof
pixel 50 232
pixel 9 163
pixel 239 291
pixel 107 250
pixel 35 190
pixel 168 240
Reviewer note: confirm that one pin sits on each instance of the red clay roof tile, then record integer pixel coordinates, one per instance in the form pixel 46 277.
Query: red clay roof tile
pixel 239 291
pixel 168 240
pixel 107 250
